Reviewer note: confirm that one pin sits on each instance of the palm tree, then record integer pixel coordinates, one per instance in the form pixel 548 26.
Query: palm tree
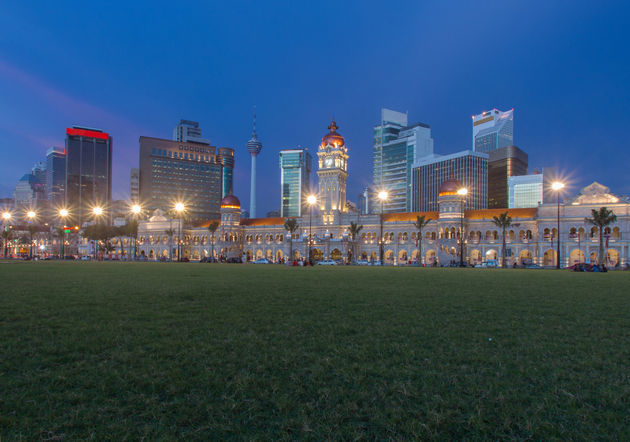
pixel 503 221
pixel 355 229
pixel 131 230
pixel 6 237
pixel 32 230
pixel 291 225
pixel 420 224
pixel 170 232
pixel 600 219
pixel 214 225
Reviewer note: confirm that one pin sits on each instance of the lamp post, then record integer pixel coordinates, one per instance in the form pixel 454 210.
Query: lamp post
pixel 97 211
pixel 31 217
pixel 382 196
pixel 63 213
pixel 135 210
pixel 557 187
pixel 179 208
pixel 311 200
pixel 462 192
pixel 6 217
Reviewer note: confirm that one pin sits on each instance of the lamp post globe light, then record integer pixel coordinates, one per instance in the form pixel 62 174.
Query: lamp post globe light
pixel 311 200
pixel 179 208
pixel 557 187
pixel 462 192
pixel 97 211
pixel 382 195
pixel 6 218
pixel 63 213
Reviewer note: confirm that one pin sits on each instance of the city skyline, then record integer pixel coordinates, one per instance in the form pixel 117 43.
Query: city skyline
pixel 558 126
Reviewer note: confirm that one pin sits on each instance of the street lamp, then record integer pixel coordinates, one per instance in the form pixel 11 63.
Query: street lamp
pixel 382 195
pixel 311 200
pixel 135 210
pixel 462 192
pixel 6 217
pixel 557 186
pixel 97 211
pixel 63 213
pixel 31 216
pixel 179 208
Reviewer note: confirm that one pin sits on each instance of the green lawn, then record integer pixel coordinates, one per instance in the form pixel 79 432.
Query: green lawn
pixel 200 351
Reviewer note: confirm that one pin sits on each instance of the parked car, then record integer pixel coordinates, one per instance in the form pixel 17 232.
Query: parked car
pixel 533 266
pixel 235 260
pixel 327 262
pixel 362 262
pixel 376 262
pixel 261 261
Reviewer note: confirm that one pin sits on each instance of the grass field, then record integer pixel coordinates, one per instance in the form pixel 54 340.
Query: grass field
pixel 199 351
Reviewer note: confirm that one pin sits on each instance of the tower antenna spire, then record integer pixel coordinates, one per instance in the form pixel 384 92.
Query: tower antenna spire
pixel 254 119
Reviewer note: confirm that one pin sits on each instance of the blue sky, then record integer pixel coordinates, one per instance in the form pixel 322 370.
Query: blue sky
pixel 136 68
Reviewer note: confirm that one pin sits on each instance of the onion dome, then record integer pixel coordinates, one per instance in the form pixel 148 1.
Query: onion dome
pixel 450 187
pixel 333 137
pixel 254 146
pixel 230 202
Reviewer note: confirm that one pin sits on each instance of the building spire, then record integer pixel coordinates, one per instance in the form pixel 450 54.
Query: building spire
pixel 254 131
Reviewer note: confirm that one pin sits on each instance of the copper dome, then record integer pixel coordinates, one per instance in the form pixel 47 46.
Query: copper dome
pixel 230 201
pixel 333 137
pixel 450 187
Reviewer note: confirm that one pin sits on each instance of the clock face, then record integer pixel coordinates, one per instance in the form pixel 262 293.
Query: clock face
pixel 328 162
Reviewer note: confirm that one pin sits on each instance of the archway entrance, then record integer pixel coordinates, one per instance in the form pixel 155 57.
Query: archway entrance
pixel 612 257
pixel 549 259
pixel 335 254
pixel 317 255
pixel 576 256
pixel 491 255
pixel 525 257
pixel 475 257
pixel 429 257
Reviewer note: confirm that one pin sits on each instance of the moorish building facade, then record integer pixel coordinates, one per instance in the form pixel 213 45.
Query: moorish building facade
pixel 532 238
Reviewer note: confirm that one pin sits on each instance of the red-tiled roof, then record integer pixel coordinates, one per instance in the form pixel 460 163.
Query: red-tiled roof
pixel 408 216
pixel 206 224
pixel 277 221
pixel 490 213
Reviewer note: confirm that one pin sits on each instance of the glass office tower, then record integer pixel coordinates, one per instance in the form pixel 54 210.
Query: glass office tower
pixel 295 168
pixel 504 163
pixel 396 147
pixel 526 191
pixel 493 130
pixel 88 171
pixel 56 176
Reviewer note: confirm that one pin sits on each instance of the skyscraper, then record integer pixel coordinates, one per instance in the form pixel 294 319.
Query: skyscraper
pixel 134 185
pixel 295 171
pixel 186 172
pixel 396 147
pixel 56 176
pixel 88 171
pixel 29 192
pixel 492 130
pixel 187 131
pixel 226 158
pixel 504 163
pixel 366 200
pixel 253 147
pixel 525 191
pixel 468 167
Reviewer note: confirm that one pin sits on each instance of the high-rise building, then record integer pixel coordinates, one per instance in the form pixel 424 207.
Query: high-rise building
pixel 468 167
pixel 29 192
pixel 397 146
pixel 188 131
pixel 504 163
pixel 492 130
pixel 332 173
pixel 366 201
pixel 88 171
pixel 526 191
pixel 134 185
pixel 226 158
pixel 186 172
pixel 295 172
pixel 56 176
pixel 254 146
pixel 39 170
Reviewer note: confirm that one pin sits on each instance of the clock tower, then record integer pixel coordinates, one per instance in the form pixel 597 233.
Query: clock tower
pixel 332 173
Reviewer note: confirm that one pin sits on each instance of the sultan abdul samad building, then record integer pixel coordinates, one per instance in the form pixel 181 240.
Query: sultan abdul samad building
pixel 532 238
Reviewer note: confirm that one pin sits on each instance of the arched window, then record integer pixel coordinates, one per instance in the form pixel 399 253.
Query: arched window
pixel 433 235
pixel 528 234
pixel 488 235
pixel 594 232
pixel 495 234
pixel 616 233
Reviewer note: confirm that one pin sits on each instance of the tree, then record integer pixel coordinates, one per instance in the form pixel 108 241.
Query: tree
pixel 170 232
pixel 212 228
pixel 291 225
pixel 600 219
pixel 60 232
pixel 503 221
pixel 421 222
pixel 7 234
pixel 101 234
pixel 130 230
pixel 355 229
pixel 32 230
